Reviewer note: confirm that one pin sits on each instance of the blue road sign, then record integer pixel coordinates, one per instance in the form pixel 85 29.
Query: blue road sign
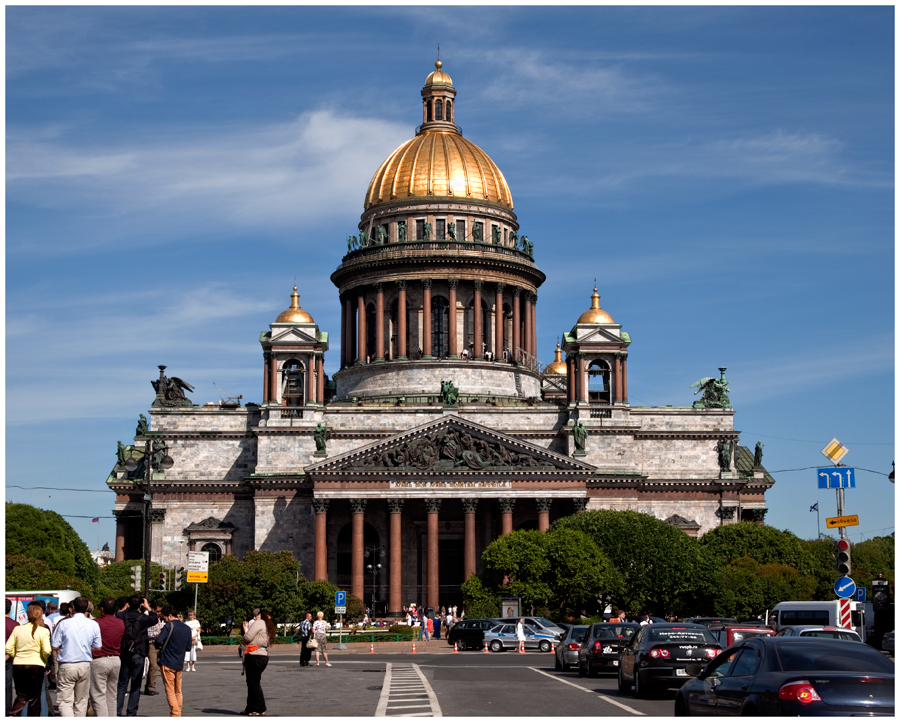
pixel 340 599
pixel 845 587
pixel 837 477
pixel 860 594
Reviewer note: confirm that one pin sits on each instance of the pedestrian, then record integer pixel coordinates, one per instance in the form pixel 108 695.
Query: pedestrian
pixel 449 622
pixel 520 634
pixel 106 663
pixel 437 626
pixel 429 628
pixel 134 652
pixel 27 650
pixel 11 624
pixel 621 617
pixel 258 635
pixel 75 638
pixel 646 620
pixel 305 632
pixel 320 630
pixel 152 652
pixel 190 658
pixel 173 642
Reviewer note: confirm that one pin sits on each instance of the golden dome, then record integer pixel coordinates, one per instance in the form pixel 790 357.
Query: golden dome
pixel 439 163
pixel 294 314
pixel 558 366
pixel 595 314
pixel 438 76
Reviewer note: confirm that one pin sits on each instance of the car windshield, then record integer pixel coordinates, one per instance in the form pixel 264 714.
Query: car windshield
pixel 613 631
pixel 830 634
pixel 577 633
pixel 744 634
pixel 674 635
pixel 805 655
pixel 544 622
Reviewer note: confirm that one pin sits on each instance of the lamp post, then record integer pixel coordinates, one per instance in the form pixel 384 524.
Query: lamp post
pixel 374 568
pixel 155 456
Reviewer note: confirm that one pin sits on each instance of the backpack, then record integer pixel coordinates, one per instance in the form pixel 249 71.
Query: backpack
pixel 131 639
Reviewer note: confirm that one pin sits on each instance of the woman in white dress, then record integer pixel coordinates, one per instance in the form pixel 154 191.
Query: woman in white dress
pixel 190 658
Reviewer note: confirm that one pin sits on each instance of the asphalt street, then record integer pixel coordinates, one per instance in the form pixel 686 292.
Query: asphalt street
pixel 469 684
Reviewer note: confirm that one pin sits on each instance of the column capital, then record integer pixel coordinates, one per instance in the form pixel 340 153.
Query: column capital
pixel 433 506
pixel 579 504
pixel 401 284
pixel 157 515
pixel 358 505
pixel 501 287
pixel 268 355
pixel 427 283
pixel 379 287
pixel 395 505
pixel 507 504
pixel 320 505
pixel 533 299
pixel 469 505
pixel 453 282
pixel 543 503
pixel 517 291
pixel 479 284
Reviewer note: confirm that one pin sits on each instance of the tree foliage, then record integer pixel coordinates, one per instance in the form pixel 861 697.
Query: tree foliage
pixel 479 601
pixel 25 573
pixel 45 535
pixel 320 598
pixel 765 544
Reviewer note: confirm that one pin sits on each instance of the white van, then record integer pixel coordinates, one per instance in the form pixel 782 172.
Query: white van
pixel 824 614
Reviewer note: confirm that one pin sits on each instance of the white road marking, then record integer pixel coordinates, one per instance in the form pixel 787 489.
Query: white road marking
pixel 401 685
pixel 584 689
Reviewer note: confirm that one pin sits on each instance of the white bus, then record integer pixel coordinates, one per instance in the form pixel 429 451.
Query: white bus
pixel 825 614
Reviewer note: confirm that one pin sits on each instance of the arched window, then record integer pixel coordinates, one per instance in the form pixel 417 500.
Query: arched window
pixel 292 384
pixel 438 109
pixel 427 111
pixel 214 550
pixel 440 316
pixel 449 116
pixel 598 382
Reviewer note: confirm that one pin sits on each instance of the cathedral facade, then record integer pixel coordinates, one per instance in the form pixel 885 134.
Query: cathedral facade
pixel 442 430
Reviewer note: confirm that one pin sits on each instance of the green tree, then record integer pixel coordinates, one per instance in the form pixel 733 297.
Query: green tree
pixel 518 565
pixel 319 597
pixel 783 583
pixel 663 570
pixel 579 573
pixel 479 601
pixel 742 594
pixel 764 543
pixel 824 573
pixel 45 535
pixel 873 558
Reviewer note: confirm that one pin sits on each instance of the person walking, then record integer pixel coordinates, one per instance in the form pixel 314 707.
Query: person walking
pixel 429 628
pixel 190 659
pixel 134 652
pixel 75 639
pixel 28 649
pixel 258 635
pixel 305 632
pixel 173 642
pixel 106 662
pixel 520 634
pixel 320 630
pixel 152 652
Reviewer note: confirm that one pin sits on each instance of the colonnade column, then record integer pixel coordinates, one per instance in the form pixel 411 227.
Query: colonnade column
pixel 526 341
pixel 395 579
pixel 570 378
pixel 361 328
pixel 401 320
pixel 618 377
pixel 543 508
pixel 273 378
pixel 343 331
pixel 625 378
pixel 379 322
pixel 534 349
pixel 266 358
pixel 357 568
pixel 506 516
pixel 498 321
pixel 310 379
pixel 120 536
pixel 516 339
pixel 320 379
pixel 469 559
pixel 582 379
pixel 432 592
pixel 426 317
pixel 477 348
pixel 321 564
pixel 454 344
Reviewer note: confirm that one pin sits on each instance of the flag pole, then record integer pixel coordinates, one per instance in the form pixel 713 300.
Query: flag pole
pixel 818 525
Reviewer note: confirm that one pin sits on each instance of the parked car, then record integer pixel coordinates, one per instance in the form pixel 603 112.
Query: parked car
pixel 503 637
pixel 540 623
pixel 887 642
pixel 469 633
pixel 708 621
pixel 600 648
pixel 809 630
pixel 568 646
pixel 790 676
pixel 726 635
pixel 657 655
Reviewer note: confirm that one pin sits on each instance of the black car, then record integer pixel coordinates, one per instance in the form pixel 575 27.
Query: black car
pixel 658 654
pixel 600 648
pixel 707 621
pixel 791 676
pixel 469 633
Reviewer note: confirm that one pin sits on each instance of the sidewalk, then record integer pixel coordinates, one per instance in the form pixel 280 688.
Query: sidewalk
pixel 436 646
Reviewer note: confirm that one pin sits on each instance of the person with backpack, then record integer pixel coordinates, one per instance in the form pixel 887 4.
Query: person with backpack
pixel 173 642
pixel 138 618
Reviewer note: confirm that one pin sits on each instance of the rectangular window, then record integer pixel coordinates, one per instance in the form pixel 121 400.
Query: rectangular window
pixel 420 229
pixel 461 230
pixel 440 229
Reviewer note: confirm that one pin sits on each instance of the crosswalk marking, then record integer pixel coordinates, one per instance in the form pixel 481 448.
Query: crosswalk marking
pixel 404 685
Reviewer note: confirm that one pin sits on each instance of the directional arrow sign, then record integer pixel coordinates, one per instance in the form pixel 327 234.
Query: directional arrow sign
pixel 845 587
pixel 838 477
pixel 838 521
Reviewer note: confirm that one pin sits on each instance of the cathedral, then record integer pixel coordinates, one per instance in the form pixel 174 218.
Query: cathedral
pixel 442 430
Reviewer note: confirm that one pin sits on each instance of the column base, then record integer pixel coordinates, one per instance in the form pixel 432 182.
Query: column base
pixel 427 356
pixel 378 361
pixel 453 357
pixel 402 358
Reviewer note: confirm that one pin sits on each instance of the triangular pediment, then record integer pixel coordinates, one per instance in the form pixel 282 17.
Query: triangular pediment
pixel 293 335
pixel 449 445
pixel 600 335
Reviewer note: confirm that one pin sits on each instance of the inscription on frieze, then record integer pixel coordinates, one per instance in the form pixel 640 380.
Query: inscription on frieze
pixel 450 485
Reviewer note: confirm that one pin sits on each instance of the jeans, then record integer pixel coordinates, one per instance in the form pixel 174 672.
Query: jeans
pixel 131 671
pixel 254 665
pixel 9 685
pixel 104 685
pixel 172 683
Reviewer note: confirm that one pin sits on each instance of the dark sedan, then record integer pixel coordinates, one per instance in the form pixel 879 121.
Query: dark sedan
pixel 791 676
pixel 601 646
pixel 469 633
pixel 658 654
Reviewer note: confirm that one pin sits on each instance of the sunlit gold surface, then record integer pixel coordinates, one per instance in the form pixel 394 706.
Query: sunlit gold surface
pixel 438 76
pixel 294 314
pixel 595 314
pixel 439 163
pixel 558 366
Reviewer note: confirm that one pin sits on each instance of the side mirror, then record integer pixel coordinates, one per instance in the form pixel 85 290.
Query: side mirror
pixel 694 669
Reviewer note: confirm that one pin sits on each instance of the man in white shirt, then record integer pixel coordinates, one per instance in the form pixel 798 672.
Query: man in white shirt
pixel 72 640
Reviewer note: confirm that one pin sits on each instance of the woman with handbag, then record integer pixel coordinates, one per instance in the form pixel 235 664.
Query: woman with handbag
pixel 320 629
pixel 258 635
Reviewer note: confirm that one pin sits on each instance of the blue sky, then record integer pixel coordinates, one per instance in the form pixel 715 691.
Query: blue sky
pixel 725 172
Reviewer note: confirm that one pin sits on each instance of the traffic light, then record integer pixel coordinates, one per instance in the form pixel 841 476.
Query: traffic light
pixel 162 581
pixel 179 578
pixel 136 578
pixel 842 554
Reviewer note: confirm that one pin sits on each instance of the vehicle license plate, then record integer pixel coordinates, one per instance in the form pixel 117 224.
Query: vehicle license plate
pixel 681 673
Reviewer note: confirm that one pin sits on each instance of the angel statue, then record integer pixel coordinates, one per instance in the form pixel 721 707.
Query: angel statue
pixel 170 391
pixel 363 239
pixel 143 427
pixel 451 231
pixel 715 392
pixel 449 393
pixel 380 235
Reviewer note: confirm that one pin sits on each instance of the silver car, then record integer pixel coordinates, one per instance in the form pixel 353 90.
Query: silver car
pixel 809 630
pixel 503 637
pixel 567 648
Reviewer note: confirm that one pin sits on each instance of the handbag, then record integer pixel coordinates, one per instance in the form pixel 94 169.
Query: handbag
pixel 313 643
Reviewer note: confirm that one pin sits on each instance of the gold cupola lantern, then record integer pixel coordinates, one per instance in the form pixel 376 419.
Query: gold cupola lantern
pixel 557 366
pixel 294 314
pixel 595 314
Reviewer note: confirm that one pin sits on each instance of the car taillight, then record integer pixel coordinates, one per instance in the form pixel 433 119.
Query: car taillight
pixel 802 692
pixel 871 680
pixel 712 653
pixel 574 646
pixel 660 652
pixel 597 646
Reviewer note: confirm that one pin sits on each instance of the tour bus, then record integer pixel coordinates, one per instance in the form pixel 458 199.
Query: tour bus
pixel 825 614
pixel 21 599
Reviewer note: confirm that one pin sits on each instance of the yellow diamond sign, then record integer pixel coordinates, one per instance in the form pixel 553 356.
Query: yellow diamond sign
pixel 835 451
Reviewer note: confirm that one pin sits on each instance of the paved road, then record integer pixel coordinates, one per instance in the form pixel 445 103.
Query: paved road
pixel 468 684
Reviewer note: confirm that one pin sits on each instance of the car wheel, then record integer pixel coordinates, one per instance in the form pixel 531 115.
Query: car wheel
pixel 544 646
pixel 566 667
pixel 461 645
pixel 558 664
pixel 591 671
pixel 640 690
pixel 681 708
pixel 624 687
pixel 496 646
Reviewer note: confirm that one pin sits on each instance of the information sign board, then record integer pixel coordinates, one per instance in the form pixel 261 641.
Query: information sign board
pixel 340 610
pixel 838 477
pixel 838 521
pixel 197 567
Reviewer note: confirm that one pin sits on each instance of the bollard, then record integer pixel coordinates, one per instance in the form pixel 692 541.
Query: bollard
pixel 485 647
pixel 521 647
pixel 455 648
pixel 552 648
pixel 414 648
pixel 372 648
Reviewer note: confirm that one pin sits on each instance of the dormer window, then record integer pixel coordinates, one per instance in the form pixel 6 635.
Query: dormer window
pixel 438 109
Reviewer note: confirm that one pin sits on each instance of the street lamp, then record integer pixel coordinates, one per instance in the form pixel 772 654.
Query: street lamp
pixel 155 457
pixel 374 569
